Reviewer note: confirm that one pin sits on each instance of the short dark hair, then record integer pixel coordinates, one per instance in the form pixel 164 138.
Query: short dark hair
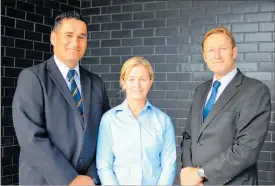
pixel 67 15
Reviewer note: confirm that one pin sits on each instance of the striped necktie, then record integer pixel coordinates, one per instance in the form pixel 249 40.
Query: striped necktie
pixel 75 92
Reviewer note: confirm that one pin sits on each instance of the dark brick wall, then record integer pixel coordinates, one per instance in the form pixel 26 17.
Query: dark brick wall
pixel 25 41
pixel 169 33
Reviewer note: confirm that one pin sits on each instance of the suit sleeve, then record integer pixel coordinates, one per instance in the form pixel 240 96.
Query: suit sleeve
pixel 31 130
pixel 186 155
pixel 252 127
pixel 92 171
pixel 168 155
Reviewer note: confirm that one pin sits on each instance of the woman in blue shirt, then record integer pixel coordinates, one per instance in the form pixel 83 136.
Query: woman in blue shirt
pixel 136 143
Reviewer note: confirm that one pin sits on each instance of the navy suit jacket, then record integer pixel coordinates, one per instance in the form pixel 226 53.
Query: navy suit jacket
pixel 56 144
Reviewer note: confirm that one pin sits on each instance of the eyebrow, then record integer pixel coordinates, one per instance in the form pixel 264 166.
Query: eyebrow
pixel 82 34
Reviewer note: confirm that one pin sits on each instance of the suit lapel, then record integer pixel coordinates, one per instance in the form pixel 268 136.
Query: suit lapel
pixel 229 92
pixel 86 87
pixel 57 78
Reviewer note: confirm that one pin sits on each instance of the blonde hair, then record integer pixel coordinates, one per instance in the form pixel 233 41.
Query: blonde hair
pixel 130 64
pixel 219 30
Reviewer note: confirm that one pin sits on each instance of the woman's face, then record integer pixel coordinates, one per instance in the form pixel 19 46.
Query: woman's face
pixel 138 83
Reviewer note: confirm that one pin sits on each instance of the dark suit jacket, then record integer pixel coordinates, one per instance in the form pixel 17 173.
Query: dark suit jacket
pixel 55 143
pixel 229 141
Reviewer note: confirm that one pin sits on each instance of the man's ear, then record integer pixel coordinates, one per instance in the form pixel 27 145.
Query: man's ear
pixel 53 38
pixel 235 52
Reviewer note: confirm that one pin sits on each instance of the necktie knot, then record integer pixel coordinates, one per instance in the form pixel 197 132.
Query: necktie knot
pixel 216 85
pixel 71 74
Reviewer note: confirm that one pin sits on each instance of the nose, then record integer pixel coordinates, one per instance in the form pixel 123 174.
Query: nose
pixel 75 42
pixel 217 54
pixel 137 83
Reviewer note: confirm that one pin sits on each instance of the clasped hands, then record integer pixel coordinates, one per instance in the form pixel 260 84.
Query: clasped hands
pixel 82 180
pixel 189 176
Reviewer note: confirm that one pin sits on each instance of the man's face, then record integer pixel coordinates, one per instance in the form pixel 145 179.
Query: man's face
pixel 70 41
pixel 219 54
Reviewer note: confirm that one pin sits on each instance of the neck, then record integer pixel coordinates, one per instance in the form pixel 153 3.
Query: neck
pixel 220 75
pixel 136 106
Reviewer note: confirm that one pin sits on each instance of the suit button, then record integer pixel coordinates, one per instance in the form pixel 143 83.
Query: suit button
pixel 80 160
pixel 199 144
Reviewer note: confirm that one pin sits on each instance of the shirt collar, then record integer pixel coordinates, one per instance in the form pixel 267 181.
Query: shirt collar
pixel 64 69
pixel 124 106
pixel 227 78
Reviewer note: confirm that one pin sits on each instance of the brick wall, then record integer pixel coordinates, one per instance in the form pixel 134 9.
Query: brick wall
pixel 25 41
pixel 169 33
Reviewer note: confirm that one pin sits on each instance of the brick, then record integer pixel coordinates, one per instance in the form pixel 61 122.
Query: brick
pixel 230 18
pixel 245 8
pixel 247 67
pixel 155 6
pixel 225 9
pixel 132 24
pixel 9 131
pixel 166 49
pixel 40 2
pixel 90 11
pixel 166 103
pixel 262 76
pixel 258 37
pixel 259 56
pixel 155 23
pixel 197 58
pixel 238 37
pixel 110 60
pixel 110 76
pixel 7 61
pixel 93 44
pixel 8 3
pixel 34 55
pixel 202 76
pixel 15 13
pixel 49 21
pixel 266 67
pixel 101 19
pixel 143 33
pixel 181 21
pixel 46 38
pixel 264 156
pixel 122 17
pixel 7 82
pixel 156 94
pixel 244 27
pixel 90 60
pixel 121 34
pixel 23 63
pixel 212 4
pixel 43 11
pixel 66 8
pixel 247 47
pixel 186 67
pixel 101 3
pixel 100 68
pixel 14 52
pixel 178 40
pixel 24 25
pixel 19 43
pixel 52 4
pixel 187 86
pixel 263 47
pixel 192 30
pixel 94 27
pixel 178 4
pixel 119 2
pixel 143 50
pixel 7 21
pixel 7 41
pixel 12 32
pixel 178 58
pixel 167 31
pixel 184 49
pixel 167 13
pixel 166 67
pixel 267 7
pixel 25 6
pixel 260 17
pixel 3 10
pixel 132 8
pixel 154 41
pixel 160 76
pixel 110 43
pixel 121 51
pixel 42 28
pixel 110 9
pixel 195 49
pixel 144 15
pixel 267 27
pixel 110 26
pixel 192 12
pixel 100 51
pixel 203 20
pixel 100 35
pixel 153 59
pixel 6 180
pixel 132 42
pixel 6 141
pixel 85 3
pixel 267 166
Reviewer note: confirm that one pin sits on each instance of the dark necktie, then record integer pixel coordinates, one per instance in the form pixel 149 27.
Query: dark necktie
pixel 75 92
pixel 210 103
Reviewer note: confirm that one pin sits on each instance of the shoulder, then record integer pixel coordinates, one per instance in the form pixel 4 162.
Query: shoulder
pixel 162 116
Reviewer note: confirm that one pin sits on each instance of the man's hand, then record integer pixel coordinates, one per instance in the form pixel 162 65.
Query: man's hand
pixel 189 176
pixel 82 180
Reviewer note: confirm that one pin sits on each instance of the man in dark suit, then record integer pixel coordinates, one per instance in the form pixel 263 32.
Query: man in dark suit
pixel 227 122
pixel 57 109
